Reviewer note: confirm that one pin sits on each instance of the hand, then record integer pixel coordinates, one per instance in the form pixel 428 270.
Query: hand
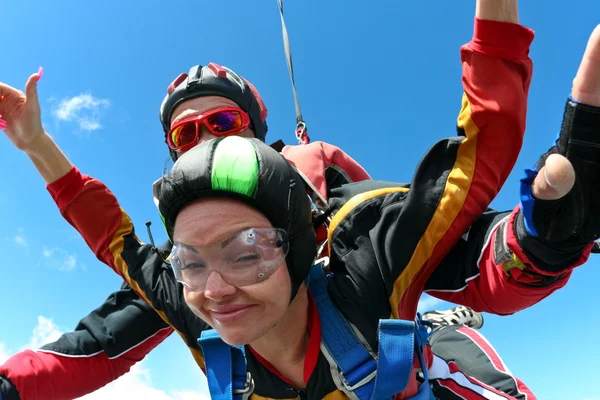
pixel 20 114
pixel 561 202
pixel 557 176
pixel 20 120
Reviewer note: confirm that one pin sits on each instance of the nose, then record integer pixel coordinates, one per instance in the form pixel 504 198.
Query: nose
pixel 216 288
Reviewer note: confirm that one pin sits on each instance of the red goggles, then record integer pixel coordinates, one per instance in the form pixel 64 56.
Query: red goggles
pixel 222 121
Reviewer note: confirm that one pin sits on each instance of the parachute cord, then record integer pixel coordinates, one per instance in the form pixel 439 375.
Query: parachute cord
pixel 301 131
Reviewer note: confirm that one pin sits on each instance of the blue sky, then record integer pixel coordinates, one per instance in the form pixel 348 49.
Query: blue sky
pixel 107 65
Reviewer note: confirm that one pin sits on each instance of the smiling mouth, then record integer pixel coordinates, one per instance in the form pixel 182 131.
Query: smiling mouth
pixel 231 315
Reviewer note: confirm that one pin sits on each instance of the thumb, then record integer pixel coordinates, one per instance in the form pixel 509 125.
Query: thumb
pixel 31 87
pixel 555 179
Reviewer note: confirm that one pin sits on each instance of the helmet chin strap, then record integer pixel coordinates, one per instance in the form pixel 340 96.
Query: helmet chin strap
pixel 320 219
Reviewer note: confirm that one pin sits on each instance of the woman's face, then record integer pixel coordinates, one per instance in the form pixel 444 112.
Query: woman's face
pixel 239 314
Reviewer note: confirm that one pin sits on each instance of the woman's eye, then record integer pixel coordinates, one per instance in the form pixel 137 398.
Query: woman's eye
pixel 248 257
pixel 192 266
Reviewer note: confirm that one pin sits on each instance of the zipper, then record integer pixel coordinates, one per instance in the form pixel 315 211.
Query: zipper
pixel 300 392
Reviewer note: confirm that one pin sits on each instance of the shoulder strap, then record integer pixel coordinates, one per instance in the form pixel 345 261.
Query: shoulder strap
pixel 423 330
pixel 395 357
pixel 360 373
pixel 357 367
pixel 226 371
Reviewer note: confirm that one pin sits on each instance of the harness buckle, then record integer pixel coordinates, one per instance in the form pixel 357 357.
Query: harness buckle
pixel 362 382
pixel 248 386
pixel 301 133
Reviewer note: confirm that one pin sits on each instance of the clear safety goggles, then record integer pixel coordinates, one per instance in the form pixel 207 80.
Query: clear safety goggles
pixel 244 258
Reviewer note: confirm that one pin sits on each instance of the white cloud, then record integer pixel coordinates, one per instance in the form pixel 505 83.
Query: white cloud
pixel 191 396
pixel 60 259
pixel 3 354
pixel 44 332
pixel 20 239
pixel 89 125
pixel 84 109
pixel 136 384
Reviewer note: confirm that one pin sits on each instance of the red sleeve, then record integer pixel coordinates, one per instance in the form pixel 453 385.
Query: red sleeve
pixel 76 195
pixel 499 283
pixel 93 210
pixel 496 78
pixel 38 375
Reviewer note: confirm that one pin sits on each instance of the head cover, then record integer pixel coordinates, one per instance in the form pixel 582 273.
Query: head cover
pixel 250 171
pixel 215 80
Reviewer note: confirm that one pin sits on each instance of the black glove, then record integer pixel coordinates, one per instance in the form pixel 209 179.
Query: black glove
pixel 567 225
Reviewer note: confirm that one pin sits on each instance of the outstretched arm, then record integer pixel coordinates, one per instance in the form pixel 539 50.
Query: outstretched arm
pixel 510 261
pixel 491 125
pixel 103 346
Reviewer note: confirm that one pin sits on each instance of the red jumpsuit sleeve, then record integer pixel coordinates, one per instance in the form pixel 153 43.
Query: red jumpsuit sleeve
pixel 78 198
pixel 496 78
pixel 490 272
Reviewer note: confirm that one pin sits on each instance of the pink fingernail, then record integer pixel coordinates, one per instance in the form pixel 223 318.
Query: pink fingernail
pixel 40 73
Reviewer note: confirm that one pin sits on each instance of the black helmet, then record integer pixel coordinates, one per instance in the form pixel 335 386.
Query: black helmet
pixel 250 171
pixel 215 80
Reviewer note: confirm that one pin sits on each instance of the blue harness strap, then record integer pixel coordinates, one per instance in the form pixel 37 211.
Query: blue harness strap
pixel 357 367
pixel 360 372
pixel 226 371
pixel 421 336
pixel 395 357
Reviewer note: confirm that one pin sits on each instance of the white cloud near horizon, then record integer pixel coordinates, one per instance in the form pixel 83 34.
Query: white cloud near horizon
pixel 137 383
pixel 3 353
